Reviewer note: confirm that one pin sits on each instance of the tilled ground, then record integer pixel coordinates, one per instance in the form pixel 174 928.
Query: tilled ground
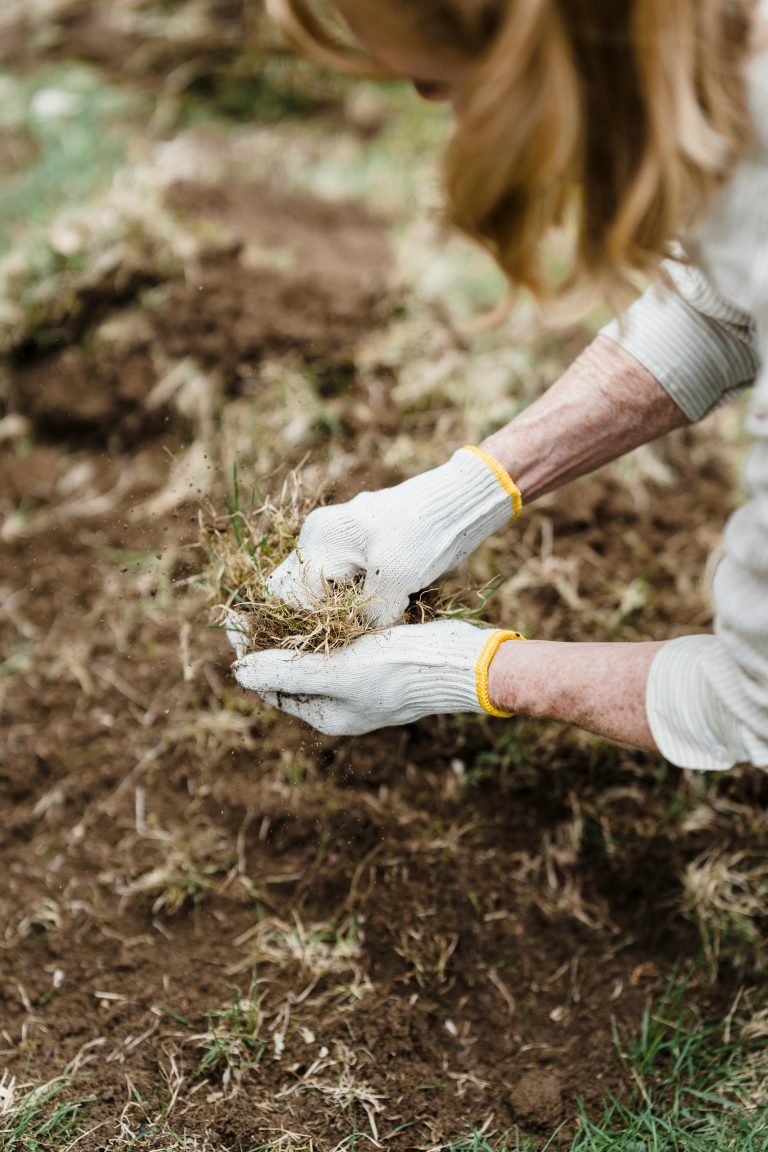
pixel 217 922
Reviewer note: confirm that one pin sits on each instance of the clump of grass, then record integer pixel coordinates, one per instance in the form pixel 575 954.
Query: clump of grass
pixel 696 1087
pixel 178 883
pixel 35 1118
pixel 726 896
pixel 244 546
pixel 231 1046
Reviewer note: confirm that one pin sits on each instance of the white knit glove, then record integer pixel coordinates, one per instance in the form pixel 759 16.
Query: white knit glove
pixel 401 539
pixel 381 679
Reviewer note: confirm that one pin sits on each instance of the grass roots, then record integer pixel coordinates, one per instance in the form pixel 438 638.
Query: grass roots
pixel 244 546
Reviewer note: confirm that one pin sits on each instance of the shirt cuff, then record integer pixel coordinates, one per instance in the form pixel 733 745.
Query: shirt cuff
pixel 699 360
pixel 688 711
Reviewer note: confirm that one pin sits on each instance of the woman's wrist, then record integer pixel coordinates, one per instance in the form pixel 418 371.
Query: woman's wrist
pixel 599 687
pixel 604 405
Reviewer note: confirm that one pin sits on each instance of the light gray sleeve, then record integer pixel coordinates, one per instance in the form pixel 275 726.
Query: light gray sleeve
pixel 707 696
pixel 701 348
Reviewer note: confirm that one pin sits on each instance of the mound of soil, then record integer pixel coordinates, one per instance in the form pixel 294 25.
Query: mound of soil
pixel 86 391
pixel 234 312
pixel 236 308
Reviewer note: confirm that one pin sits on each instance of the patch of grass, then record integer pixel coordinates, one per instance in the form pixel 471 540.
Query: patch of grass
pixel 36 1119
pixel 244 548
pixel 68 114
pixel 699 1087
pixel 726 896
pixel 507 759
pixel 232 1044
pixel 478 1141
pixel 185 874
pixel 263 87
pixel 324 954
pixel 55 284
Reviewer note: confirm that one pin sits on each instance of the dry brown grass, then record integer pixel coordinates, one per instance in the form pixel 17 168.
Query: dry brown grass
pixel 726 896
pixel 245 546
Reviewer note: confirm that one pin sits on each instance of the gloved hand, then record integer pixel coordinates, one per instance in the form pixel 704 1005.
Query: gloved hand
pixel 381 679
pixel 400 538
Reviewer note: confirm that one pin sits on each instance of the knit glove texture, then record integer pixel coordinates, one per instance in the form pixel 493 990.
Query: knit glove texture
pixel 382 679
pixel 400 539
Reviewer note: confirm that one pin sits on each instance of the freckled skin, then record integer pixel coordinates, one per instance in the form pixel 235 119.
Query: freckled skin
pixel 600 687
pixel 605 405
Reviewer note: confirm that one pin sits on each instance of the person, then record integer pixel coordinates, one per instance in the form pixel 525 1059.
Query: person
pixel 644 123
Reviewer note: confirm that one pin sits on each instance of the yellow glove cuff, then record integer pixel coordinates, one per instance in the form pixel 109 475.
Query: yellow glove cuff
pixel 490 648
pixel 503 478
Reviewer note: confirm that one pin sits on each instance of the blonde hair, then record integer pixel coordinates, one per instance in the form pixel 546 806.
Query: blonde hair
pixel 618 116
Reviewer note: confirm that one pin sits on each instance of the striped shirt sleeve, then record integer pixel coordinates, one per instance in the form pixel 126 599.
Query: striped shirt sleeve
pixel 707 696
pixel 701 348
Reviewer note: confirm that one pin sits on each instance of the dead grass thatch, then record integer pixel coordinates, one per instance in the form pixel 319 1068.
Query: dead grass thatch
pixel 244 546
pixel 726 896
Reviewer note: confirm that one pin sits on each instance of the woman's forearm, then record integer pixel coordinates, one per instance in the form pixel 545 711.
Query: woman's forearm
pixel 603 406
pixel 599 687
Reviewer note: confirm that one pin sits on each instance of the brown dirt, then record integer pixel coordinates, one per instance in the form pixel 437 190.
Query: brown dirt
pixel 228 313
pixel 509 887
pixel 53 395
pixel 330 292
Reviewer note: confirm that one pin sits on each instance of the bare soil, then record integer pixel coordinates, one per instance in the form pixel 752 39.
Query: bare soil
pixel 488 897
pixel 229 313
